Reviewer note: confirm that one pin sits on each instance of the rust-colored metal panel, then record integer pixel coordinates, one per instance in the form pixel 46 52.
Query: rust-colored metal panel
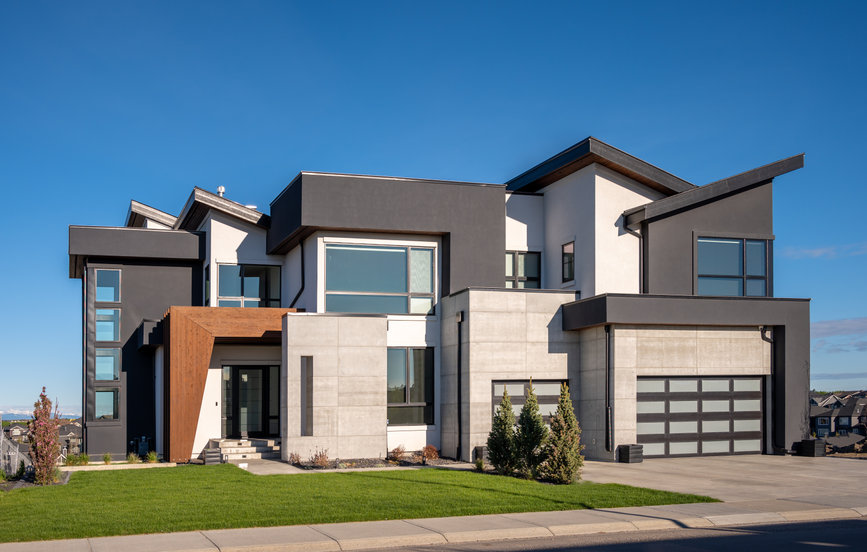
pixel 189 342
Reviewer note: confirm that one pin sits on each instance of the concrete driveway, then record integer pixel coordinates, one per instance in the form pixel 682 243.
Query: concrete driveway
pixel 743 478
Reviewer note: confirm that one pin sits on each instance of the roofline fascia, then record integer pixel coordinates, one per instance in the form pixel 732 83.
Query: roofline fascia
pixel 148 212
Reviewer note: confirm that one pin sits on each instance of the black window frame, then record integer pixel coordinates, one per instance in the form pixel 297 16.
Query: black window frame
pixel 514 278
pixel 262 302
pixel 429 418
pixel 745 277
pixel 567 261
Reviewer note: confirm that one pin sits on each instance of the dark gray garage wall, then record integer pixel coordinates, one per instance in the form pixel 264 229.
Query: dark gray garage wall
pixel 789 318
pixel 669 242
pixel 470 217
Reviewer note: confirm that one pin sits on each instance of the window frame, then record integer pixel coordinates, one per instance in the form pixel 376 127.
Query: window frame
pixel 119 330
pixel 115 403
pixel 428 380
pixel 118 367
pixel 406 245
pixel 514 278
pixel 768 278
pixel 242 299
pixel 96 272
pixel 570 263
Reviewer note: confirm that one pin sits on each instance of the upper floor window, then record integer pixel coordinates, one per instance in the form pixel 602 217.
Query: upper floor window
pixel 248 286
pixel 108 324
pixel 379 279
pixel 107 285
pixel 732 266
pixel 568 255
pixel 523 269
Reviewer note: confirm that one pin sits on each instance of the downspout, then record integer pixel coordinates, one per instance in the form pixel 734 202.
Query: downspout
pixel 459 318
pixel 609 430
pixel 301 289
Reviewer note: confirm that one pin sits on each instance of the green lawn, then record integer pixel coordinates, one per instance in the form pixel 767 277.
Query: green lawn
pixel 215 497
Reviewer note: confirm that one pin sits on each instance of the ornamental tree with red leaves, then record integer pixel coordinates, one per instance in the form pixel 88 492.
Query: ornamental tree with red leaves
pixel 44 440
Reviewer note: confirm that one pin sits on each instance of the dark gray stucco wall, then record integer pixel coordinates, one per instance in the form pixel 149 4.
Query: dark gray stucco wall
pixel 148 289
pixel 789 318
pixel 471 218
pixel 669 242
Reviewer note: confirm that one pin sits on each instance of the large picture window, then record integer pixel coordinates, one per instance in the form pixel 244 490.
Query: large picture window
pixel 733 267
pixel 523 269
pixel 248 286
pixel 379 279
pixel 410 386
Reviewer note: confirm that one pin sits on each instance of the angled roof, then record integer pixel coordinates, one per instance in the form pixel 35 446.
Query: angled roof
pixel 710 192
pixel 139 212
pixel 201 201
pixel 592 150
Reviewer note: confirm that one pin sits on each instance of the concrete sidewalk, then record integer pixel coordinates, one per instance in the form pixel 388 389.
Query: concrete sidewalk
pixel 756 489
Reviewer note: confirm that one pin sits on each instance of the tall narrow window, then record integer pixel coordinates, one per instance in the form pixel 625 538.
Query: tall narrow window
pixel 732 267
pixel 523 269
pixel 568 254
pixel 248 286
pixel 105 404
pixel 107 285
pixel 379 279
pixel 410 392
pixel 306 395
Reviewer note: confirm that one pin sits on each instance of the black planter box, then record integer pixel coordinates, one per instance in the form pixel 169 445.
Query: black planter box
pixel 811 447
pixel 630 454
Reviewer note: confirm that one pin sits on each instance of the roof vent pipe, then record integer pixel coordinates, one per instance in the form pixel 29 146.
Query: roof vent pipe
pixel 221 190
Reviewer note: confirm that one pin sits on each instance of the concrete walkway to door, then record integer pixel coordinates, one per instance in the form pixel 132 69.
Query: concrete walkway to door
pixel 741 478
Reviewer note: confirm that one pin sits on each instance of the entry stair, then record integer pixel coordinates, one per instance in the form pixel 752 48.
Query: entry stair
pixel 232 450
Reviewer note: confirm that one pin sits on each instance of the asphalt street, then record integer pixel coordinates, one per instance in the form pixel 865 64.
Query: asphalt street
pixel 791 537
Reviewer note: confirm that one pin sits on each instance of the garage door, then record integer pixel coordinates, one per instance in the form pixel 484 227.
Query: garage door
pixel 700 416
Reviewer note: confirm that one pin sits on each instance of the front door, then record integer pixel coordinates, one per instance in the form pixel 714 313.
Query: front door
pixel 251 401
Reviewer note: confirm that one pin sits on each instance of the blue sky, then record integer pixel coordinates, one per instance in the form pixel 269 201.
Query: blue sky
pixel 103 102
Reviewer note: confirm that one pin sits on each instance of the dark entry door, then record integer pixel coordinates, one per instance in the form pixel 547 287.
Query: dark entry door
pixel 252 408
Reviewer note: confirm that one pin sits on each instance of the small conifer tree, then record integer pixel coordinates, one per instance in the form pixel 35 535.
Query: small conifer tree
pixel 530 436
pixel 501 439
pixel 44 439
pixel 563 458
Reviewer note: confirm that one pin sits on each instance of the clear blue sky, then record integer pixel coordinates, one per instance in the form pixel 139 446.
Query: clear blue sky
pixel 103 102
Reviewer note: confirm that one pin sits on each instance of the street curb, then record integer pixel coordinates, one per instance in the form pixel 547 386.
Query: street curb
pixel 416 532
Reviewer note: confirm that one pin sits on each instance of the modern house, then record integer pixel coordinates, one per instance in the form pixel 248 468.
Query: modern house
pixel 396 311
pixel 836 416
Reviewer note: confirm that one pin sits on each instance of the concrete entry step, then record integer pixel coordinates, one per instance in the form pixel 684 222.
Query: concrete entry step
pixel 227 450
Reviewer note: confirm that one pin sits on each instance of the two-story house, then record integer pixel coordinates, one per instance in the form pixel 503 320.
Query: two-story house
pixel 365 312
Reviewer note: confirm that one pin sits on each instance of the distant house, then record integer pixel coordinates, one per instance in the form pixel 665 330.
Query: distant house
pixel 17 432
pixel 70 437
pixel 834 415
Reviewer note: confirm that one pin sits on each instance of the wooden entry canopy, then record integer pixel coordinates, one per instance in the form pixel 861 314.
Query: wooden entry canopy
pixel 189 334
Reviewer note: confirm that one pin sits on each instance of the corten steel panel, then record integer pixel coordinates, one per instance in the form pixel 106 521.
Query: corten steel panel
pixel 789 318
pixel 189 340
pixel 471 218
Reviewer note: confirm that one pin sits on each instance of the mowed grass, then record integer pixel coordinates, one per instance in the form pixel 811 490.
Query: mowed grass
pixel 217 497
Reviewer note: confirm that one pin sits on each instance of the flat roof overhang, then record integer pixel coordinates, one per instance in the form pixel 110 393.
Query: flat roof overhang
pixel 189 335
pixel 684 310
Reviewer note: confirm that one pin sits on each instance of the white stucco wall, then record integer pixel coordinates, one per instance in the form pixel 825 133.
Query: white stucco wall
pixel 569 205
pixel 525 222
pixel 148 223
pixel 616 250
pixel 210 413
pixel 232 241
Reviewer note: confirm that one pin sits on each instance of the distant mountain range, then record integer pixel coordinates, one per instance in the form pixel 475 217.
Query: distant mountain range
pixel 27 416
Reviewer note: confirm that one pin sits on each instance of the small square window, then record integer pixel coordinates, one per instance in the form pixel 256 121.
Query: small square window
pixel 107 285
pixel 108 324
pixel 107 365
pixel 105 404
pixel 568 262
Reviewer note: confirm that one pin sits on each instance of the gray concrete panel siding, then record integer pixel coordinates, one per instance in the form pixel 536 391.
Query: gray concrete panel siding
pixel 349 384
pixel 470 217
